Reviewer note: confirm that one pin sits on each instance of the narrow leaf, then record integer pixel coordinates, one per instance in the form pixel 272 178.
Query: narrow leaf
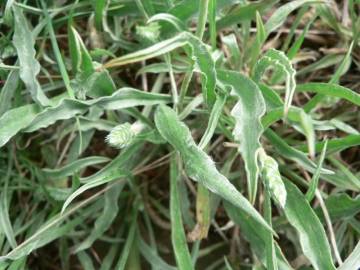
pixel 29 66
pixel 73 167
pixel 200 53
pixel 353 261
pixel 198 165
pixel 330 89
pixel 178 237
pixel 315 179
pixel 247 113
pixel 310 230
pixel 29 117
pixel 279 61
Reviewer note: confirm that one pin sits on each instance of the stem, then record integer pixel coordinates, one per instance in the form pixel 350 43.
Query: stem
pixel 329 225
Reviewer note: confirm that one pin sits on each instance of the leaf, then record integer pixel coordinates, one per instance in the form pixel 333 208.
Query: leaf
pixel 73 167
pixel 5 223
pixel 56 50
pixel 104 221
pixel 291 153
pixel 311 234
pixel 325 62
pixel 271 261
pixel 272 177
pixel 212 23
pixel 213 120
pixel 200 53
pixel 272 98
pixel 255 235
pixel 7 15
pixel 118 168
pixel 315 179
pixel 298 42
pixel 99 9
pixel 8 91
pixel 202 18
pixel 178 238
pixel 173 20
pixel 50 231
pixel 85 261
pixel 131 237
pixel 280 14
pixel 97 84
pixel 29 118
pixel 232 45
pixel 353 261
pixel 336 144
pixel 243 13
pixel 340 206
pixel 156 50
pixel 15 120
pixel 114 175
pixel 332 90
pixel 80 57
pixel 122 162
pixel 198 165
pixel 29 66
pixel 150 255
pixel 308 127
pixel 278 60
pixel 247 113
pixel 258 40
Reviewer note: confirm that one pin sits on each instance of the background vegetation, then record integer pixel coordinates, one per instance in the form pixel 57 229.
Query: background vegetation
pixel 189 134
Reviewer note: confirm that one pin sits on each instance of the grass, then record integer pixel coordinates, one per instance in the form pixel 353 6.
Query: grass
pixel 179 134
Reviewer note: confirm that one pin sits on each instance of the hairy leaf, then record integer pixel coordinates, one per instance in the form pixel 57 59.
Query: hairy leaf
pixel 247 113
pixel 198 165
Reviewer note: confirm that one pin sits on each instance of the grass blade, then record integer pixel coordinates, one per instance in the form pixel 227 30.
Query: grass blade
pixel 257 237
pixel 200 53
pixel 353 261
pixel 247 113
pixel 29 118
pixel 315 179
pixel 280 15
pixel 311 233
pixel 198 165
pixel 73 167
pixel 280 62
pixel 332 90
pixel 29 66
pixel 106 218
pixel 182 254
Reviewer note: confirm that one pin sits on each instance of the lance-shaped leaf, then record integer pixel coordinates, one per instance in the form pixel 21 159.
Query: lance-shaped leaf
pixel 332 90
pixel 257 237
pixel 106 218
pixel 200 55
pixel 73 167
pixel 29 66
pixel 30 118
pixel 311 233
pixel 279 61
pixel 353 261
pixel 178 237
pixel 198 165
pixel 280 15
pixel 247 112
